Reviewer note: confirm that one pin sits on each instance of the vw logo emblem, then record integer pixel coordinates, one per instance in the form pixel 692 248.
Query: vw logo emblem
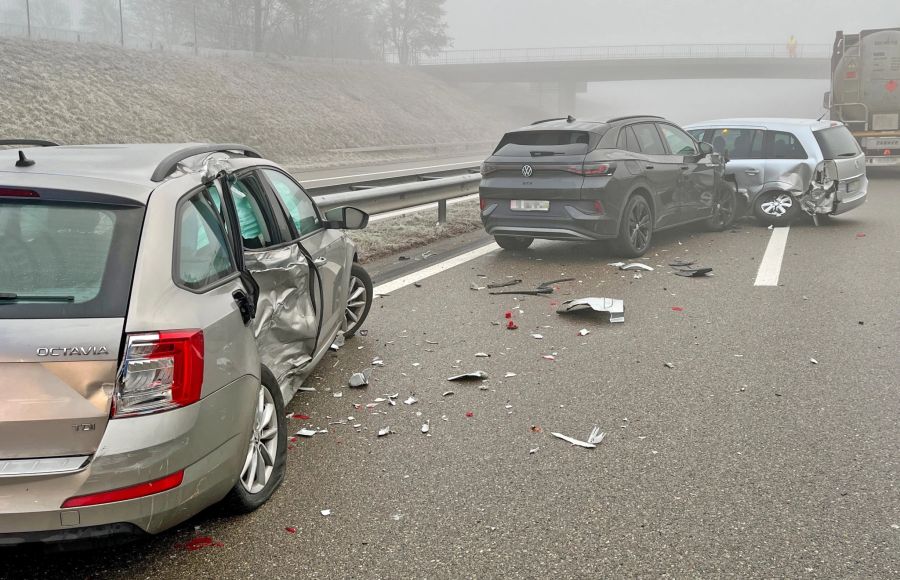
pixel 527 171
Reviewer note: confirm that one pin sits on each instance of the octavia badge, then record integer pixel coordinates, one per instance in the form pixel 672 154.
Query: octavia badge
pixel 527 171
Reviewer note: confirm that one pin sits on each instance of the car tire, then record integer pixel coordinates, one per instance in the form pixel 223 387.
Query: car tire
pixel 776 208
pixel 726 210
pixel 359 300
pixel 514 242
pixel 268 439
pixel 636 228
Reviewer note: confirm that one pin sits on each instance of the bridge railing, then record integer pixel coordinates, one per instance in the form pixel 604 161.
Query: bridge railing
pixel 636 52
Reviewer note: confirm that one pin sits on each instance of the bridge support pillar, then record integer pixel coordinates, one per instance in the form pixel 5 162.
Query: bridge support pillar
pixel 567 91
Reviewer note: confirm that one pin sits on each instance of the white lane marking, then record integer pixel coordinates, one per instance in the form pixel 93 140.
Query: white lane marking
pixel 414 170
pixel 418 208
pixel 770 267
pixel 430 271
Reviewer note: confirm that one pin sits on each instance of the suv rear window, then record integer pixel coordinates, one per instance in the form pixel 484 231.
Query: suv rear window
pixel 837 142
pixel 66 260
pixel 527 143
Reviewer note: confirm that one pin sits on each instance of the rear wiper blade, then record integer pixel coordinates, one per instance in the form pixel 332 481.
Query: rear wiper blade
pixel 12 297
pixel 848 154
pixel 545 153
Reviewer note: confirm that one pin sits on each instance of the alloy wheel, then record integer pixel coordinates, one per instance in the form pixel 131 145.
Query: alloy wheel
pixel 356 303
pixel 260 460
pixel 778 205
pixel 639 226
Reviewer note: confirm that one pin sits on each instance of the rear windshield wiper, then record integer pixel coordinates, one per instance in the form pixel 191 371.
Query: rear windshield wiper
pixel 11 297
pixel 848 154
pixel 545 153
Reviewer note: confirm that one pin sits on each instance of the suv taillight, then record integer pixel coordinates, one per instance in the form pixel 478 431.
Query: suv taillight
pixel 160 371
pixel 593 169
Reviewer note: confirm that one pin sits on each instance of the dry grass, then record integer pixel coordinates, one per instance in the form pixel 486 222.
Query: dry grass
pixel 396 235
pixel 294 112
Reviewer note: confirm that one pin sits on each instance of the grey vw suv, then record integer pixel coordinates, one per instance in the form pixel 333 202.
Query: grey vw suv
pixel 159 305
pixel 564 179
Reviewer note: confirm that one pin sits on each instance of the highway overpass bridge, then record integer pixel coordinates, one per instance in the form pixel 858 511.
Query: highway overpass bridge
pixel 570 69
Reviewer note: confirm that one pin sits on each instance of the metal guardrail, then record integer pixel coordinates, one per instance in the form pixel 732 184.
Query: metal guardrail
pixel 405 195
pixel 635 52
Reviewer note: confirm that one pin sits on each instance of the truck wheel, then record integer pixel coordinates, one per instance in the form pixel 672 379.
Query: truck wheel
pixel 636 229
pixel 776 208
pixel 514 242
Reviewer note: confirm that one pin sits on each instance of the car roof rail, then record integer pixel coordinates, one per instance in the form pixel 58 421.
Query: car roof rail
pixel 168 165
pixel 27 143
pixel 627 117
pixel 569 119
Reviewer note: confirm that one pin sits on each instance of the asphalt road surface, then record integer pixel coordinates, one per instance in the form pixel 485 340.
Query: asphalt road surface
pixel 745 459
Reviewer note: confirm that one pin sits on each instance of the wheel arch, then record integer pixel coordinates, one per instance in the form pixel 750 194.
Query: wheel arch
pixel 644 192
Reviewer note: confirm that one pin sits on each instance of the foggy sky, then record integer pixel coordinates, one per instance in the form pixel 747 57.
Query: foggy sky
pixel 543 23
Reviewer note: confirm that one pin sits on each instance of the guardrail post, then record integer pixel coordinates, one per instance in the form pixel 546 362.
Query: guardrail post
pixel 442 211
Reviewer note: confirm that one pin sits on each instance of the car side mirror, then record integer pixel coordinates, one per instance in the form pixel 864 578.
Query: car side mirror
pixel 346 218
pixel 706 149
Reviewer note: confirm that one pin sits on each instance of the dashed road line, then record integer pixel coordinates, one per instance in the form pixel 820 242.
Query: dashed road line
pixel 770 267
pixel 430 271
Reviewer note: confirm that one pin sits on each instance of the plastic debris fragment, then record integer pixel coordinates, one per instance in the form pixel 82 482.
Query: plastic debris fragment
pixel 426 427
pixel 338 343
pixel 615 308
pixel 299 416
pixel 476 376
pixel 636 266
pixel 616 264
pixel 548 357
pixel 669 365
pixel 682 263
pixel 693 272
pixel 677 309
pixel 199 543
pixel 377 362
pixel 411 401
pixel 813 361
pixel 482 355
pixel 584 332
pixel 384 431
pixel 290 530
pixel 533 451
pixel 596 436
pixel 537 336
pixel 509 375
pixel 511 325
pixel 448 393
pixel 594 439
pixel 476 287
pixel 306 432
pixel 506 284
pixel 326 513
pixel 338 395
pixel 470 414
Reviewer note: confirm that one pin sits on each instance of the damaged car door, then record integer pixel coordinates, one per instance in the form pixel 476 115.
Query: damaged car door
pixel 287 322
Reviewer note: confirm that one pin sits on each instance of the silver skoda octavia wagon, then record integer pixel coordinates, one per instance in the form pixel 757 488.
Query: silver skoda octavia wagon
pixel 159 305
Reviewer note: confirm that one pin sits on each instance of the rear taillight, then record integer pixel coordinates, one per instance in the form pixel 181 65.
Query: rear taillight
pixel 160 371
pixel 10 192
pixel 598 207
pixel 887 152
pixel 483 203
pixel 126 493
pixel 593 169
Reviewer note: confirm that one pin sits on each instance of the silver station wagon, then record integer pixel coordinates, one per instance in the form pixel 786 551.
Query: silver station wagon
pixel 787 167
pixel 159 305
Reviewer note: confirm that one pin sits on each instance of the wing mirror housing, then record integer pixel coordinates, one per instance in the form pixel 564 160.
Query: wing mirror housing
pixel 706 149
pixel 346 218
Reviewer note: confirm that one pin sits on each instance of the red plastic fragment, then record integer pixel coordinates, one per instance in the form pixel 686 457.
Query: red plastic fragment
pixel 290 530
pixel 300 416
pixel 891 86
pixel 508 315
pixel 677 309
pixel 511 325
pixel 470 414
pixel 860 235
pixel 199 543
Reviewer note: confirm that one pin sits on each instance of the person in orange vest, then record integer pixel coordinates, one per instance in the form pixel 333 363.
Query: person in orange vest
pixel 792 47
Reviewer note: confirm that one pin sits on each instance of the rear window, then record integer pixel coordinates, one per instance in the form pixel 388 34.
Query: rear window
pixel 837 142
pixel 537 143
pixel 66 260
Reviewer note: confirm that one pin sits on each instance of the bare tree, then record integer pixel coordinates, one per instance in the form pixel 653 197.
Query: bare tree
pixel 44 13
pixel 413 26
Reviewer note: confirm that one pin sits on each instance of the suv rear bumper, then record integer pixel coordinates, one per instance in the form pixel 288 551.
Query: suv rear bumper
pixel 207 440
pixel 571 220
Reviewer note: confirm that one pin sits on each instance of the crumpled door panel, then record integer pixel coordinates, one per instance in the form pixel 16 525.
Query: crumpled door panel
pixel 286 322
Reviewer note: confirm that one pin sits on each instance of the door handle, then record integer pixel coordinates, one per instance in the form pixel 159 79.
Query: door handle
pixel 320 261
pixel 649 167
pixel 685 167
pixel 752 172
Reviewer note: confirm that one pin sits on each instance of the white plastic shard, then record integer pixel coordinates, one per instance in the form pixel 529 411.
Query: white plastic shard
pixel 476 376
pixel 596 436
pixel 533 451
pixel 306 432
pixel 584 332
pixel 636 266
pixel 338 343
pixel 384 431
pixel 377 362
pixel 482 355
pixel 411 401
pixel 326 513
pixel 509 375
pixel 426 427
pixel 617 264
pixel 615 307
pixel 358 380
pixel 574 442
pixel 537 336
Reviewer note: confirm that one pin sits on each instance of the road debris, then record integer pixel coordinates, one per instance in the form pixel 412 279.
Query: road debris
pixel 507 284
pixel 377 362
pixel 537 429
pixel 509 375
pixel 290 530
pixel 306 432
pixel 615 308
pixel 358 380
pixel 616 264
pixel 476 287
pixel 813 361
pixel 693 272
pixel 549 357
pixel 669 365
pixel 543 289
pixel 476 376
pixel 338 394
pixel 511 325
pixel 584 332
pixel 384 431
pixel 482 355
pixel 299 416
pixel 537 336
pixel 199 543
pixel 447 393
pixel 411 401
pixel 338 343
pixel 594 439
pixel 677 309
pixel 325 513
pixel 682 263
pixel 426 427
pixel 533 451
pixel 636 266
pixel 470 414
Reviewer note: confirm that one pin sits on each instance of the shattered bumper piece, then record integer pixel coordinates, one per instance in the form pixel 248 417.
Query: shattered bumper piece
pixel 476 376
pixel 616 308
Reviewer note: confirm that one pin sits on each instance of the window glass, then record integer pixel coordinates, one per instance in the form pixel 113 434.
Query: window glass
pixel 522 143
pixel 697 134
pixel 738 143
pixel 631 141
pixel 203 254
pixel 248 201
pixel 837 142
pixel 786 146
pixel 680 143
pixel 648 139
pixel 66 260
pixel 299 205
pixel 622 142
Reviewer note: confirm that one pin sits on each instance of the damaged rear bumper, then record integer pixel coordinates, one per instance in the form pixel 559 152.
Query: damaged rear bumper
pixel 573 220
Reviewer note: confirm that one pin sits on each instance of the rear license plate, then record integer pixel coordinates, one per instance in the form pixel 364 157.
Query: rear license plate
pixel 881 160
pixel 529 205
